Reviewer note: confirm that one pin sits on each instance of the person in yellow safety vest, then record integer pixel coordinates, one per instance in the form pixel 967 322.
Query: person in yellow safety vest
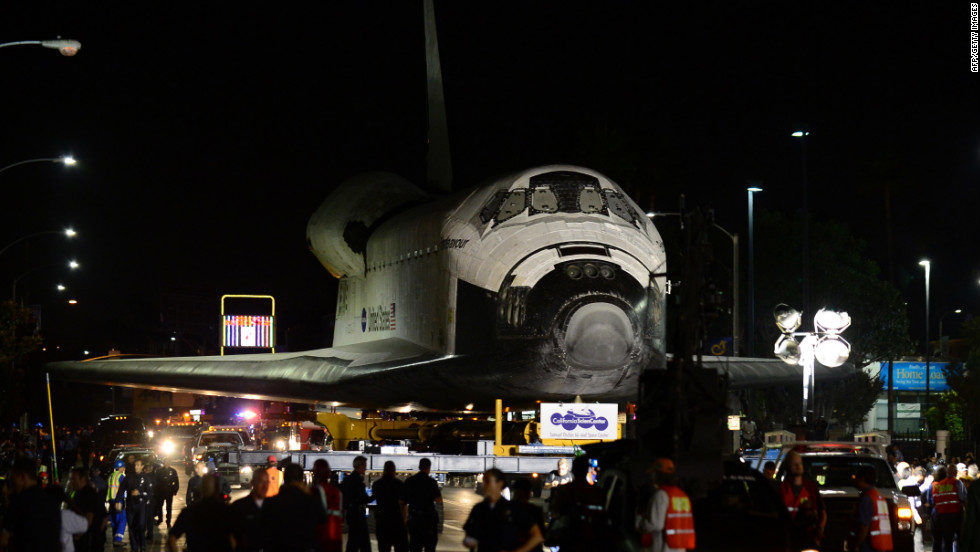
pixel 667 522
pixel 873 527
pixel 116 497
pixel 274 476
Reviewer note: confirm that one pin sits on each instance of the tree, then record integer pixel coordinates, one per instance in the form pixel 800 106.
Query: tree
pixel 962 401
pixel 17 338
pixel 853 397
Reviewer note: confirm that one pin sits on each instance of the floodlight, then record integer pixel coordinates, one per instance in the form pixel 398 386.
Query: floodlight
pixel 788 319
pixel 787 349
pixel 832 351
pixel 828 321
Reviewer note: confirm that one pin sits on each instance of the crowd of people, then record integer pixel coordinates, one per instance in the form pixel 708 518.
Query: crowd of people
pixel 285 512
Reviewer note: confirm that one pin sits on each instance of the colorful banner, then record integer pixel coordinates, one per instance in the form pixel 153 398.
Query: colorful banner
pixel 911 376
pixel 248 331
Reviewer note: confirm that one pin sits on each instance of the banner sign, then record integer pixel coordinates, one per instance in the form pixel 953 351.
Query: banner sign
pixel 247 331
pixel 579 421
pixel 908 410
pixel 911 376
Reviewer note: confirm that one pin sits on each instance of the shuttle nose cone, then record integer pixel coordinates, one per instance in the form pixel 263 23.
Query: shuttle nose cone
pixel 599 335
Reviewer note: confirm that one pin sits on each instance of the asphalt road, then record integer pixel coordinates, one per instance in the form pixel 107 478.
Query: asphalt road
pixel 457 505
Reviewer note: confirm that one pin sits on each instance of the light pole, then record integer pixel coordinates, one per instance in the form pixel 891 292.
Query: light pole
pixel 67 47
pixel 67 161
pixel 72 265
pixel 802 134
pixel 824 345
pixel 735 313
pixel 752 190
pixel 928 266
pixel 67 232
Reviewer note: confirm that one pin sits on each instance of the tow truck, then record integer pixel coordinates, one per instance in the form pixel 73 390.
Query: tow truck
pixel 833 465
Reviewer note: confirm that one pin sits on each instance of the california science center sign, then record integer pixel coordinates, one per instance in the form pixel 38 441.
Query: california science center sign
pixel 579 421
pixel 911 376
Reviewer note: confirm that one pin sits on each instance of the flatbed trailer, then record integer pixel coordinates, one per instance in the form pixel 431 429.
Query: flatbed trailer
pixel 407 461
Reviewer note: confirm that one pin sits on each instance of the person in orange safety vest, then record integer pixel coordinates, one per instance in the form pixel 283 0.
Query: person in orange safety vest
pixel 667 522
pixel 330 534
pixel 801 497
pixel 275 477
pixel 873 527
pixel 948 495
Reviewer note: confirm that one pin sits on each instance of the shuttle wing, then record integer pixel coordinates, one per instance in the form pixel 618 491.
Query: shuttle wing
pixel 378 374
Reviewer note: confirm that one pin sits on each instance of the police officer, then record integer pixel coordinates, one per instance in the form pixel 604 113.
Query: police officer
pixel 419 497
pixel 355 502
pixel 578 513
pixel 139 492
pixel 167 486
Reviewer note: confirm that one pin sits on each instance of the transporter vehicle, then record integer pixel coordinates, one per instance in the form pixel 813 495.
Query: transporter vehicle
pixel 119 430
pixel 212 441
pixel 833 465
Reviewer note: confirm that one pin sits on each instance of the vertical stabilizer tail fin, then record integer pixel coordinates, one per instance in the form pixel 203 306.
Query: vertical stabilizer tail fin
pixel 438 161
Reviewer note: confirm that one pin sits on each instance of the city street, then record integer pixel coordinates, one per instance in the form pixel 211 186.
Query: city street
pixel 458 503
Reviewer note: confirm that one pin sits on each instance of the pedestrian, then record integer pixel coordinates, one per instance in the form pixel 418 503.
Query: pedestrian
pixel 292 515
pixel 72 523
pixel 495 524
pixel 666 523
pixel 32 521
pixel 388 516
pixel 194 484
pixel 246 516
pixel 274 476
pixel 168 483
pixel 116 497
pixel 420 497
pixel 522 499
pixel 559 476
pixel 139 492
pixel 769 470
pixel 970 532
pixel 913 478
pixel 98 482
pixel 578 512
pixel 331 533
pixel 806 508
pixel 206 523
pixel 948 498
pixel 872 523
pixel 355 504
pixel 150 500
pixel 90 504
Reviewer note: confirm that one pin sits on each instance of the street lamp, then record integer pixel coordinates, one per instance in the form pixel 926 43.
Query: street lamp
pixel 802 134
pixel 928 266
pixel 66 160
pixel 824 345
pixel 72 265
pixel 67 47
pixel 752 190
pixel 67 232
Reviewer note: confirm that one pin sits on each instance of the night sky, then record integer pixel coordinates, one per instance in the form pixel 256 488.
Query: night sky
pixel 207 136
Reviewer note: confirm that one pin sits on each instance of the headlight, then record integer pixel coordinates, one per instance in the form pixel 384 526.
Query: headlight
pixel 167 447
pixel 246 469
pixel 280 444
pixel 904 513
pixel 149 434
pixel 199 456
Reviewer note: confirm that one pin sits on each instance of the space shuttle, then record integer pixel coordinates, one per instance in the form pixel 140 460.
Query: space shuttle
pixel 544 285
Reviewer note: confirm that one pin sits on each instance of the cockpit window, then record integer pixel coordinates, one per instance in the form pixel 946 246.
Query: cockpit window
pixel 486 214
pixel 513 205
pixel 590 200
pixel 619 206
pixel 544 200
